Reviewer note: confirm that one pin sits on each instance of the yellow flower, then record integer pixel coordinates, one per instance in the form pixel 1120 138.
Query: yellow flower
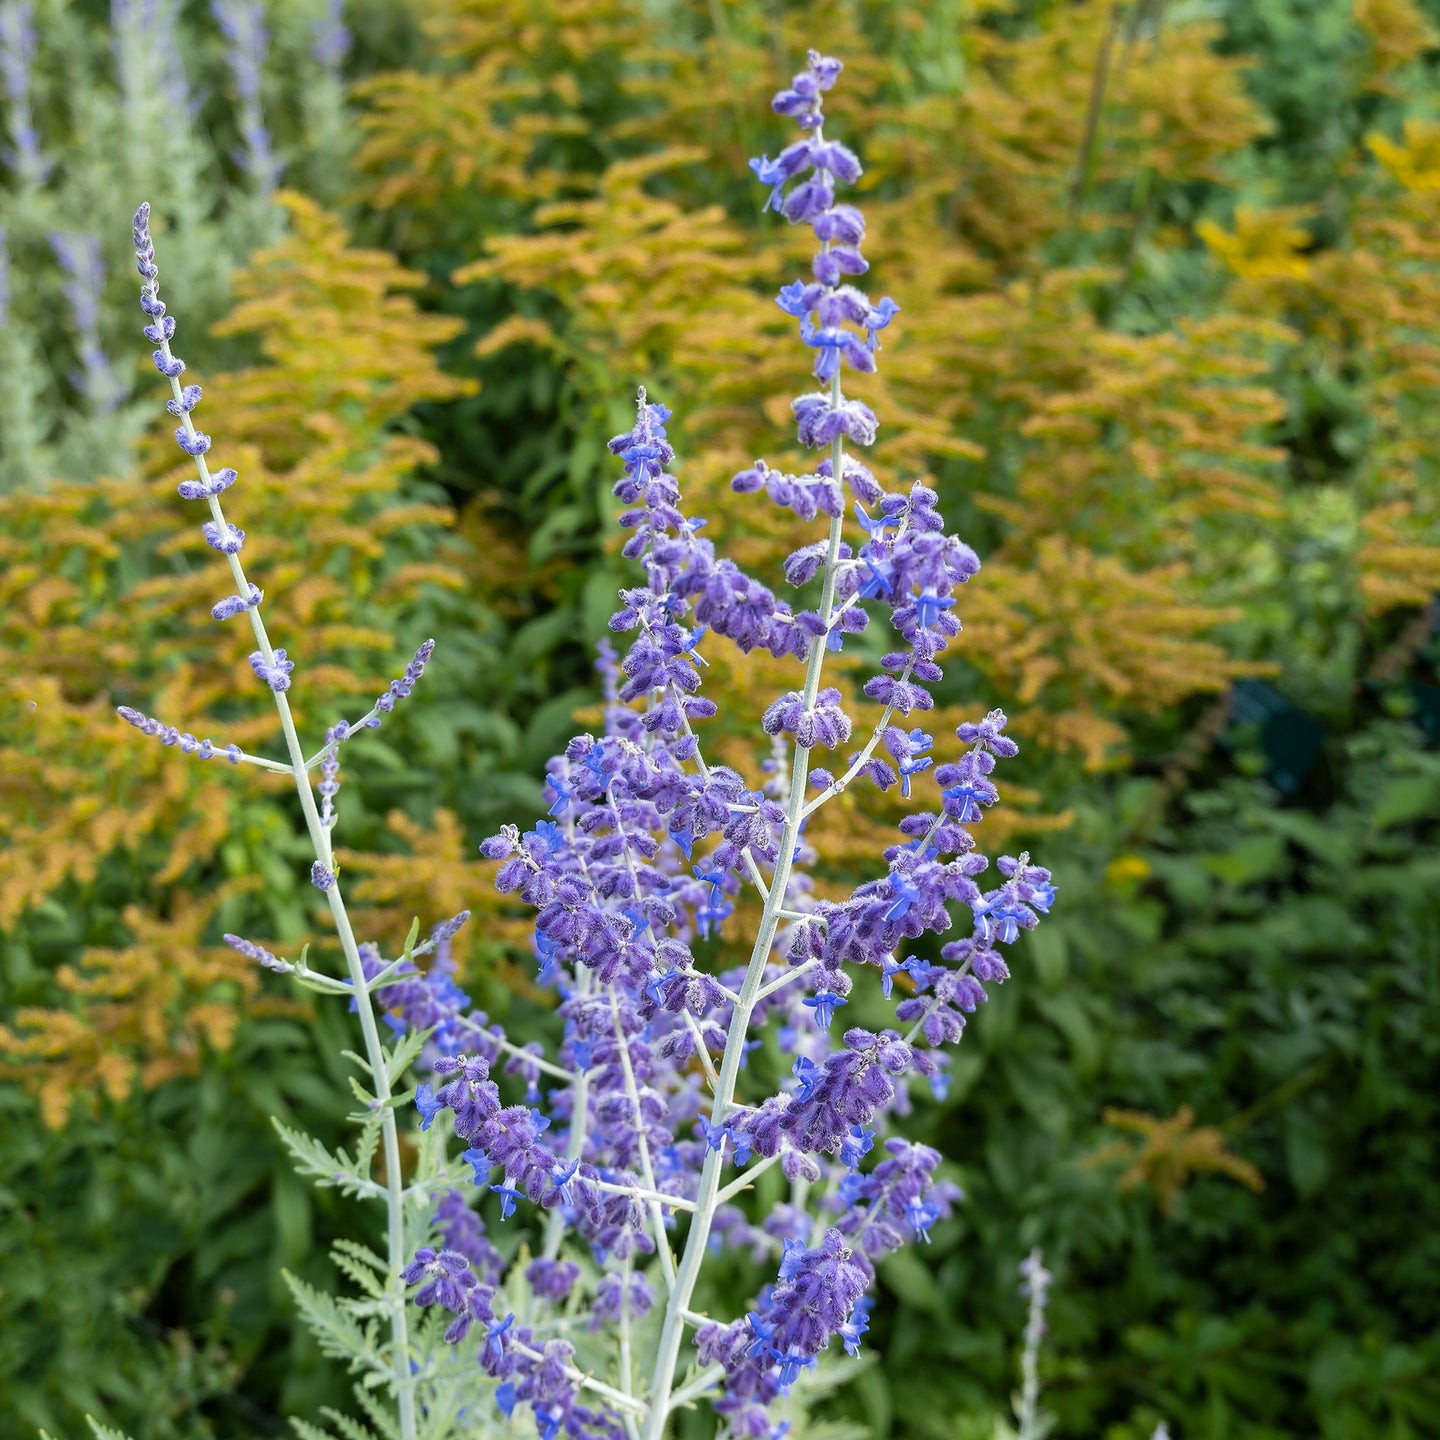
pixel 1416 163
pixel 1125 870
pixel 1265 245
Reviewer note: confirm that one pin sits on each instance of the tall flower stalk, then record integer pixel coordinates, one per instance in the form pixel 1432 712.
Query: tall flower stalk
pixel 242 23
pixel 272 667
pixel 635 1128
pixel 17 57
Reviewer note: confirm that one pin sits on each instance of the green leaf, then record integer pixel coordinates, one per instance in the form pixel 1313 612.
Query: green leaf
pixel 910 1278
pixel 364 1255
pixel 324 984
pixel 1254 858
pixel 399 1060
pixel 361 1265
pixel 104 1432
pixel 334 1327
pixel 386 1423
pixel 1305 1152
pixel 1066 1012
pixel 1048 948
pixel 326 1167
pixel 1405 799
pixel 294 1217
pixel 349 1429
pixel 307 1431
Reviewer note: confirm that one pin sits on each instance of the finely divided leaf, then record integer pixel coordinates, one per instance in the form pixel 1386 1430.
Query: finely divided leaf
pixel 355 1261
pixel 336 1330
pixel 381 1417
pixel 362 1253
pixel 348 1428
pixel 325 1167
pixel 307 1431
pixel 398 1060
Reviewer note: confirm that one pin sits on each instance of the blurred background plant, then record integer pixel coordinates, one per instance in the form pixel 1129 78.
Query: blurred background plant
pixel 1168 343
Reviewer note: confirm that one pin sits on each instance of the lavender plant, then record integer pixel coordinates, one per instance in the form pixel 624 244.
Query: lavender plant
pixel 17 55
pixel 631 1147
pixel 65 79
pixel 323 102
pixel 84 271
pixel 1035 1287
pixel 242 23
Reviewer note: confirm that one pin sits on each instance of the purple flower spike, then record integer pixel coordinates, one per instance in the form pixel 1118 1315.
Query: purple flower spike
pixel 330 39
pixel 17 56
pixel 552 1280
pixel 242 23
pixel 836 319
pixel 321 877
pixel 821 421
pixel 444 1277
pixel 401 688
pixel 258 953
pixel 169 735
pixel 144 248
pixel 84 270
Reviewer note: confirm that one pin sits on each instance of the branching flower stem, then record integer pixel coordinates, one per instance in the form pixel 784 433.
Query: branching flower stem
pixel 616 1397
pixel 508 1047
pixel 745 1179
pixel 667 1353
pixel 712 1077
pixel 863 758
pixel 657 1220
pixel 706 1380
pixel 394 1192
pixel 775 986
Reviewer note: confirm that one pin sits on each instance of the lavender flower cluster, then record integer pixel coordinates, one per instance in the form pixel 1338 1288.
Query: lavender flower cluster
pixel 632 1144
pixel 645 849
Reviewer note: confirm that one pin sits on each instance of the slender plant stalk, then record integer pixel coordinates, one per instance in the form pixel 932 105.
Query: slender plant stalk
pixel 394 1193
pixel 1085 160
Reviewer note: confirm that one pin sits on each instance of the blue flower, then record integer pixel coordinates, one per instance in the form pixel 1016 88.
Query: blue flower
pixel 561 1181
pixel 563 794
pixel 855 1146
pixel 889 969
pixel 929 607
pixel 824 1003
pixel 906 895
pixel 858 1323
pixel 807 1072
pixel 508 1196
pixel 875 527
pixel 495 1342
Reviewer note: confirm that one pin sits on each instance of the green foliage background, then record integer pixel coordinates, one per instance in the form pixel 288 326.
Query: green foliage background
pixel 1249 922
